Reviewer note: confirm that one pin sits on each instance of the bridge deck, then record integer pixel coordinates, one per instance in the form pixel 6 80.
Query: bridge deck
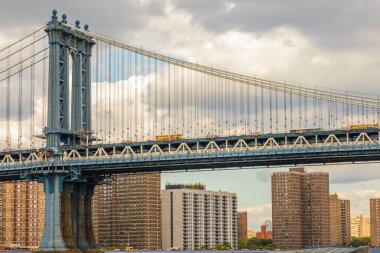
pixel 266 150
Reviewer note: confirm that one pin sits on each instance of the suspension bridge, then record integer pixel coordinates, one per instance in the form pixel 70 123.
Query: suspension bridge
pixel 78 106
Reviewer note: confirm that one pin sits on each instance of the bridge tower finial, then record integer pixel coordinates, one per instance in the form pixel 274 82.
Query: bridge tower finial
pixel 54 16
pixel 64 19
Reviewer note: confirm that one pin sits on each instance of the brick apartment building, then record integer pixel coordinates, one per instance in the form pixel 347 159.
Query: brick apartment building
pixel 22 206
pixel 300 209
pixel 127 212
pixel 242 226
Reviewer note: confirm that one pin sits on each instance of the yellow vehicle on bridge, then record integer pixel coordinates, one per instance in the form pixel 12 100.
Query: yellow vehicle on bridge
pixel 168 137
pixel 363 126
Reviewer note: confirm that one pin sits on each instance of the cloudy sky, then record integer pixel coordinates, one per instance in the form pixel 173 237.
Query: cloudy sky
pixel 328 43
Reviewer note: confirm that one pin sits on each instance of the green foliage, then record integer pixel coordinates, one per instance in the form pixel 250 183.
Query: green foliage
pixel 256 244
pixel 224 246
pixel 360 241
pixel 198 186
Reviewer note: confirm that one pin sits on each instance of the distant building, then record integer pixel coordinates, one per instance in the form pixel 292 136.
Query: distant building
pixel 251 234
pixel 242 226
pixel 340 227
pixel 346 221
pixel 360 226
pixel 128 212
pixel 300 209
pixel 268 225
pixel 194 218
pixel 264 234
pixel 22 214
pixel 375 221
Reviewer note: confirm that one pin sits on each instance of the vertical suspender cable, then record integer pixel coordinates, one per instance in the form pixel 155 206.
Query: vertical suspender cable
pixel 291 108
pixel 135 98
pixel 276 110
pixel 270 108
pixel 142 88
pixel 262 109
pixel 155 98
pixel 256 110
pixel 20 99
pixel 248 108
pixel 286 115
pixel 7 99
pixel 32 100
pixel 305 110
pixel 97 87
pixel 169 97
pixel 109 93
pixel 183 99
pixel 122 94
pixel 299 109
pixel 44 91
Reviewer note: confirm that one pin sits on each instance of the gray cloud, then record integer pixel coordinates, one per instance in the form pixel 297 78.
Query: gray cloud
pixel 334 24
pixel 113 18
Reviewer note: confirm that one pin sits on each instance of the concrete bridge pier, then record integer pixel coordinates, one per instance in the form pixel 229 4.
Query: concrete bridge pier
pixel 68 214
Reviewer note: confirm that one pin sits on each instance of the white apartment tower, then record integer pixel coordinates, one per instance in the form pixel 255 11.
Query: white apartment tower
pixel 193 218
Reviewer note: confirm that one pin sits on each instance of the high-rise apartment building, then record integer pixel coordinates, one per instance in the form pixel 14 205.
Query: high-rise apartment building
pixel 194 218
pixel 242 226
pixel 22 214
pixel 340 223
pixel 335 220
pixel 345 208
pixel 127 212
pixel 375 221
pixel 300 209
pixel 360 226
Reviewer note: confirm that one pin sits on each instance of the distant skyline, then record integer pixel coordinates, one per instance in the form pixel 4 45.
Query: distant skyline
pixel 325 43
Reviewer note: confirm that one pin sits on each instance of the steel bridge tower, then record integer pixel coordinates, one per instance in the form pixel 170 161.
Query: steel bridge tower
pixel 68 194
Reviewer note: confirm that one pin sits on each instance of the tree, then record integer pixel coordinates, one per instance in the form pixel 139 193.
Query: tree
pixel 360 241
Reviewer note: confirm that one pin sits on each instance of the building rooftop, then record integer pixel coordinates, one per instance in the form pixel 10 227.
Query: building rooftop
pixel 197 186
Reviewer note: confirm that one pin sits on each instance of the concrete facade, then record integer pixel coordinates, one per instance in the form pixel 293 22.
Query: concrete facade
pixel 195 218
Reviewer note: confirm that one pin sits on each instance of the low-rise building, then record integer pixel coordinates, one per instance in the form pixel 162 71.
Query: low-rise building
pixel 264 234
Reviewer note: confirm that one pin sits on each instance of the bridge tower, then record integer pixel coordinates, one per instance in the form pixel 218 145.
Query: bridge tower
pixel 68 194
pixel 66 42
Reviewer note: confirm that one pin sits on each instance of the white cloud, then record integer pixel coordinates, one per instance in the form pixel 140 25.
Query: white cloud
pixel 359 200
pixel 258 214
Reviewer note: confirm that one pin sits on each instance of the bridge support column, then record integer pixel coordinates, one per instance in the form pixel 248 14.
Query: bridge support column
pixel 52 238
pixel 68 214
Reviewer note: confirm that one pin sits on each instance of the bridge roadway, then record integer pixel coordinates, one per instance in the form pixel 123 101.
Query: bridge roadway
pixel 265 150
